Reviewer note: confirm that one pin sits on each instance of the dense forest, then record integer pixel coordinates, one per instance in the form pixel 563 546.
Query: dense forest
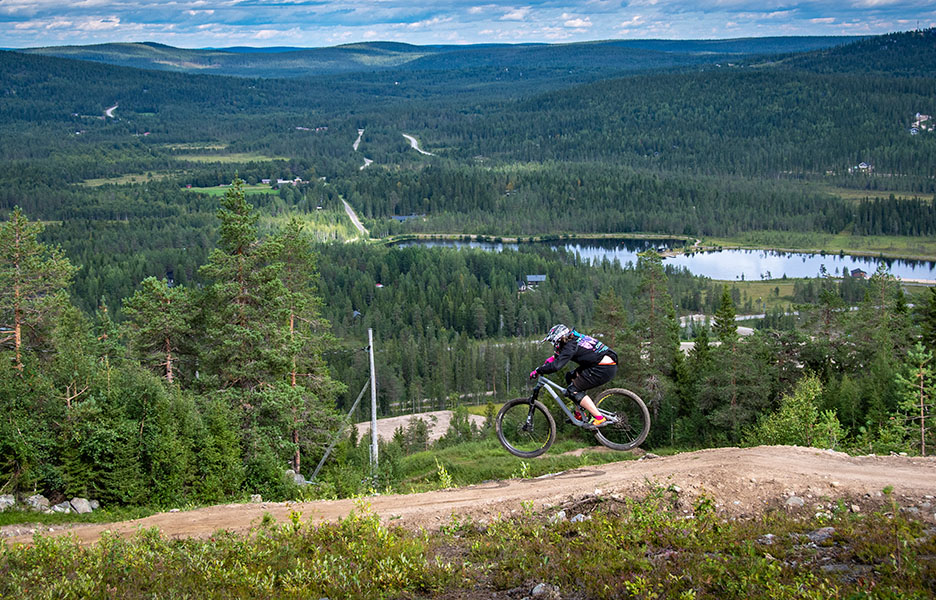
pixel 192 337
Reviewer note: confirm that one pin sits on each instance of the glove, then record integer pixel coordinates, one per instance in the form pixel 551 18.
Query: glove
pixel 534 374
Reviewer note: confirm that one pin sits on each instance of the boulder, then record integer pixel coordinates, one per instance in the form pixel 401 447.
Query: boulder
pixel 37 502
pixel 62 507
pixel 546 592
pixel 296 478
pixel 820 535
pixel 81 505
pixel 95 504
pixel 6 501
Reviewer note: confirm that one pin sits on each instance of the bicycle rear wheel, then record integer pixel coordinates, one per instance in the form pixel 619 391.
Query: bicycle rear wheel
pixel 525 429
pixel 630 419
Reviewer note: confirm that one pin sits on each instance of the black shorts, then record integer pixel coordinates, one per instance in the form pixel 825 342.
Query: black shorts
pixel 583 379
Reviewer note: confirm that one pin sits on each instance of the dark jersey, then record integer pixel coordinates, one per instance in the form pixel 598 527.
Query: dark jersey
pixel 582 349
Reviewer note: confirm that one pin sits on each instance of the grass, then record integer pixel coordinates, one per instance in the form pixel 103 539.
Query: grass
pixel 475 462
pixel 923 248
pixel 219 190
pixel 766 292
pixel 859 195
pixel 19 517
pixel 660 546
pixel 131 178
pixel 234 157
pixel 324 225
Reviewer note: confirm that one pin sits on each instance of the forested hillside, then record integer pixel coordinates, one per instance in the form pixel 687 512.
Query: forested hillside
pixel 605 57
pixel 196 337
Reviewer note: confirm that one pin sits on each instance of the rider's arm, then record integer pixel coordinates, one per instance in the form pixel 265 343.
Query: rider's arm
pixel 557 361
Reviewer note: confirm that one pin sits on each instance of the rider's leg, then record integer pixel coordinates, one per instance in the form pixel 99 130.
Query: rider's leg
pixel 585 379
pixel 581 399
pixel 588 404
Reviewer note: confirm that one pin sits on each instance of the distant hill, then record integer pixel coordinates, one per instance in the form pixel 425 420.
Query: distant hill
pixel 609 56
pixel 905 54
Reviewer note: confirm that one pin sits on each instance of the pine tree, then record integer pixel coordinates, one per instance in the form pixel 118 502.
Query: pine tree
pixel 918 389
pixel 158 321
pixel 610 318
pixel 245 330
pixel 33 279
pixel 312 390
pixel 657 331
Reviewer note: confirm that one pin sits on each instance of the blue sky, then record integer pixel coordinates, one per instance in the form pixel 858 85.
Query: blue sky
pixel 313 23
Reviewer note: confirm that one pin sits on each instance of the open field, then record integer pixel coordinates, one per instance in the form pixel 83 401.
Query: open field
pixel 919 248
pixel 132 178
pixel 233 157
pixel 858 195
pixel 196 146
pixel 219 190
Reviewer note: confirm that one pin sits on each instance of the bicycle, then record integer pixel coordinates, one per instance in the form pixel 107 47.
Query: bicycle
pixel 526 428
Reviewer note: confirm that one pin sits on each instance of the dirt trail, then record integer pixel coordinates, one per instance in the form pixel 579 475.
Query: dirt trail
pixel 741 481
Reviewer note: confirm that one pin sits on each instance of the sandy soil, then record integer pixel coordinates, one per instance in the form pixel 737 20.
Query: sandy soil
pixel 437 423
pixel 741 481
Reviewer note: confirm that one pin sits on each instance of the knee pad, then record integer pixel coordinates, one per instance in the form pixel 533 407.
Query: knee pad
pixel 574 394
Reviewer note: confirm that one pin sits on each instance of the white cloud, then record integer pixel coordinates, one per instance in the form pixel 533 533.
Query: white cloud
pixel 99 24
pixel 635 21
pixel 578 23
pixel 823 20
pixel 427 23
pixel 516 14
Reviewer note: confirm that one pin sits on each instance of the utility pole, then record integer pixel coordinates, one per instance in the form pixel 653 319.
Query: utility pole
pixel 373 404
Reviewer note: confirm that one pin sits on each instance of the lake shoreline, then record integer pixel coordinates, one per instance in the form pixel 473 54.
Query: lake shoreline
pixel 698 244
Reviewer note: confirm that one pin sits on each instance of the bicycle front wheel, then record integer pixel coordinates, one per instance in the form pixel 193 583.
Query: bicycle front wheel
pixel 630 419
pixel 525 429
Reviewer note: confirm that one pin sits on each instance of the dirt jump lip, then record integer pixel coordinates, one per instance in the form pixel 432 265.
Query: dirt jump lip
pixel 742 482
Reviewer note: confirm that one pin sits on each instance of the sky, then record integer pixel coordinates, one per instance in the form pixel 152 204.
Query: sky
pixel 319 23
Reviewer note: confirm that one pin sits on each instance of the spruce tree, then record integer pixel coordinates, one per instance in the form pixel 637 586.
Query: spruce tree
pixel 725 326
pixel 928 320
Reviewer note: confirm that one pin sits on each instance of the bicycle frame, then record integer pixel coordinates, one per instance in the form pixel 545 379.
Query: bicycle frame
pixel 552 387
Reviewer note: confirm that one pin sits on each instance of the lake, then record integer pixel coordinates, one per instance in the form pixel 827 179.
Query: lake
pixel 725 265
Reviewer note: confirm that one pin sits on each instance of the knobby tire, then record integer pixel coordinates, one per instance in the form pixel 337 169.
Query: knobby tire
pixel 522 435
pixel 632 419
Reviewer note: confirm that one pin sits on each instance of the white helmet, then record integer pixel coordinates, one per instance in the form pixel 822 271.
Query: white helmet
pixel 557 333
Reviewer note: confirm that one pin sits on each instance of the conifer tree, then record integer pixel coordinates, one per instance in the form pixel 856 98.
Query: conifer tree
pixel 725 326
pixel 245 323
pixel 33 279
pixel 311 390
pixel 158 321
pixel 928 320
pixel 657 332
pixel 918 390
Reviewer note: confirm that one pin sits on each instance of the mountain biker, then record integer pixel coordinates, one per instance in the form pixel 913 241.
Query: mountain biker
pixel 597 364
